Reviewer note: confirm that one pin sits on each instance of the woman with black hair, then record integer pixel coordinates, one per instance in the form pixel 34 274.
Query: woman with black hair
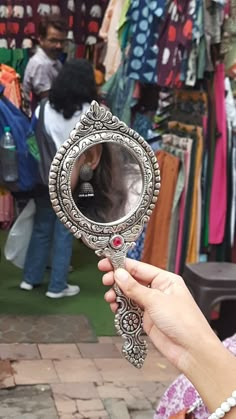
pixel 70 96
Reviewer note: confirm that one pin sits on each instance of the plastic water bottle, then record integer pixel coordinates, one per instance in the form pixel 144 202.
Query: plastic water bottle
pixel 8 157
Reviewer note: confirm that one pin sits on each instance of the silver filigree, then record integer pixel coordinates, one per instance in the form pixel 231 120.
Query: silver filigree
pixel 97 126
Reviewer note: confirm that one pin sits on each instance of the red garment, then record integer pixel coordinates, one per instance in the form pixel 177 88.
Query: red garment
pixel 218 199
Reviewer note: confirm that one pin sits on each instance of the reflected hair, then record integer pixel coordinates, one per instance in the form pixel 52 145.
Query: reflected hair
pixel 110 191
pixel 73 87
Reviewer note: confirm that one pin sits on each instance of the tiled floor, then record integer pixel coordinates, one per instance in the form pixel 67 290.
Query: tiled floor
pixel 88 380
pixel 46 329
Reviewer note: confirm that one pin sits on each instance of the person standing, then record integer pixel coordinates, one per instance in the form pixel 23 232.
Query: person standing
pixel 71 93
pixel 45 65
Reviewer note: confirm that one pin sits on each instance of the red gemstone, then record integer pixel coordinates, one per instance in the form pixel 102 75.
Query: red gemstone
pixel 117 241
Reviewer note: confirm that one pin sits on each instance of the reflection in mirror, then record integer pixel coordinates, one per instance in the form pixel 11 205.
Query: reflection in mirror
pixel 106 182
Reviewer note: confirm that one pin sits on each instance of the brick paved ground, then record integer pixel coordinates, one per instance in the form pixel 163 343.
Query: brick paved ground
pixel 84 380
pixel 46 329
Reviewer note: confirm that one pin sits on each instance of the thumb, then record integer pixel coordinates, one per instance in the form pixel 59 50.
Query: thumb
pixel 131 288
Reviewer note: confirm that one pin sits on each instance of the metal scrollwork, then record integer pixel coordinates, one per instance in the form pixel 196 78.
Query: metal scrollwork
pixel 111 240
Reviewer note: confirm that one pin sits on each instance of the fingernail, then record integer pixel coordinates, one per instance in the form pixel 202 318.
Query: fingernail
pixel 121 275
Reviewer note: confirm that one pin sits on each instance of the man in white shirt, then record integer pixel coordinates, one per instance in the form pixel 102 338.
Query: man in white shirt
pixel 45 65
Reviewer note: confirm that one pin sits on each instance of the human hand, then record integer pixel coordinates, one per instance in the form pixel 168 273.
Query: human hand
pixel 172 319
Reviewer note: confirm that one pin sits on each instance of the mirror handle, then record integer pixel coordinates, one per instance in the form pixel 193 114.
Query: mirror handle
pixel 129 316
pixel 129 325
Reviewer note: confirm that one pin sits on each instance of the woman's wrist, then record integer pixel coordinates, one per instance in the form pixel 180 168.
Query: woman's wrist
pixel 212 370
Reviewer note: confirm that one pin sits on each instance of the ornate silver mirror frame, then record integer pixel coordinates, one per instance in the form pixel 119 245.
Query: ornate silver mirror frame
pixel 112 239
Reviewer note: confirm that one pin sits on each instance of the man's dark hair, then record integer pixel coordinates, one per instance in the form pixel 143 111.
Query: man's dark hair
pixel 74 86
pixel 56 21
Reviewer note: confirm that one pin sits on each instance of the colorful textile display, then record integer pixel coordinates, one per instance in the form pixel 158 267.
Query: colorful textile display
pixel 19 20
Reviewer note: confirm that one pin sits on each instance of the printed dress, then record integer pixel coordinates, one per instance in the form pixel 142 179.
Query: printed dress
pixel 181 393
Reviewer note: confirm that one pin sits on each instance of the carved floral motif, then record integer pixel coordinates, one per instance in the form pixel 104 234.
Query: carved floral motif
pixel 98 125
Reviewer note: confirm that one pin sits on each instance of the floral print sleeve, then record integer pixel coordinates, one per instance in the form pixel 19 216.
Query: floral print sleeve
pixel 181 393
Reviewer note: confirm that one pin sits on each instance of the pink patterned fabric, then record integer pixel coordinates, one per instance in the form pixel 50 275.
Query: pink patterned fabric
pixel 181 393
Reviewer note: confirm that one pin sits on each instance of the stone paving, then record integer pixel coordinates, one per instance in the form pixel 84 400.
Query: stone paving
pixel 46 329
pixel 83 380
pixel 28 402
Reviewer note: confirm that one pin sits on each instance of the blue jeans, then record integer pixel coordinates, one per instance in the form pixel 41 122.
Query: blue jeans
pixel 49 237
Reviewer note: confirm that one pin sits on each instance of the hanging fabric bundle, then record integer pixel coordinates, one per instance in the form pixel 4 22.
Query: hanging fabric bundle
pixel 6 209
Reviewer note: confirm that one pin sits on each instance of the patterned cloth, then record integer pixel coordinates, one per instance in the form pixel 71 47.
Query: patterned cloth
pixel 175 41
pixel 136 252
pixel 181 393
pixel 19 20
pixel 85 18
pixel 144 17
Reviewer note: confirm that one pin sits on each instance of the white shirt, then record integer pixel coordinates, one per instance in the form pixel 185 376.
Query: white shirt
pixel 57 126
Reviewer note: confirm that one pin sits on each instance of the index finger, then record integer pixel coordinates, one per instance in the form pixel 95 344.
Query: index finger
pixel 139 270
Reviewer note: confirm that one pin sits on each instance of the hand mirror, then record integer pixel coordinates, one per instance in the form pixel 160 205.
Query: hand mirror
pixel 104 182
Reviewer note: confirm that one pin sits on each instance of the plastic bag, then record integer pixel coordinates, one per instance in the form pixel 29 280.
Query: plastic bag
pixel 19 236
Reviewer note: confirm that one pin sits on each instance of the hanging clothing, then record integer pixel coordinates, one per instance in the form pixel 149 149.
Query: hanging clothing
pixel 19 20
pixel 10 80
pixel 109 33
pixel 85 18
pixel 195 62
pixel 195 223
pixel 155 249
pixel 218 207
pixel 181 147
pixel 118 93
pixel 231 124
pixel 189 225
pixel 209 125
pixel 124 25
pixel 6 208
pixel 15 58
pixel 213 21
pixel 175 39
pixel 144 19
pixel 233 198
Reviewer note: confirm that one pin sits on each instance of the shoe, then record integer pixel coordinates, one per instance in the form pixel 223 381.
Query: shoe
pixel 25 286
pixel 69 291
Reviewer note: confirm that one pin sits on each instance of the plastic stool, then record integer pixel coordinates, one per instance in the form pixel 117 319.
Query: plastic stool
pixel 211 283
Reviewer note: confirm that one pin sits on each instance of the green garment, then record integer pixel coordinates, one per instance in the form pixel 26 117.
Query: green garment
pixel 15 58
pixel 123 28
pixel 118 93
pixel 5 56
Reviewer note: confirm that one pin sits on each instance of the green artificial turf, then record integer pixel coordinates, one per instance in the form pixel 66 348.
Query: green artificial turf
pixel 89 302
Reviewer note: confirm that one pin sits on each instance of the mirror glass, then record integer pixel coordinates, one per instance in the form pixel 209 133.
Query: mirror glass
pixel 106 182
